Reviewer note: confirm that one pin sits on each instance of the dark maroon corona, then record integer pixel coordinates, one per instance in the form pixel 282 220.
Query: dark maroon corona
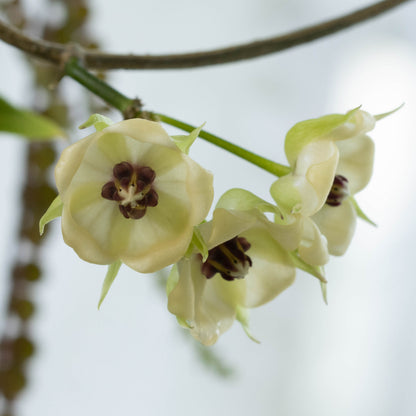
pixel 338 192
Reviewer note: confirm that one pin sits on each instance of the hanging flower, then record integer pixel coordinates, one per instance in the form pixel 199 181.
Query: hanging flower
pixel 130 194
pixel 332 159
pixel 244 266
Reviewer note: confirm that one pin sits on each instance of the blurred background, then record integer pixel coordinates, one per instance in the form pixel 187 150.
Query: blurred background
pixel 355 356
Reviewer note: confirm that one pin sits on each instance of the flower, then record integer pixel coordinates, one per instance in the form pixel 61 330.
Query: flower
pixel 246 266
pixel 332 159
pixel 130 194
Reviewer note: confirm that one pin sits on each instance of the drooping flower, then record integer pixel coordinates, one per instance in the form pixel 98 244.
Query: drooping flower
pixel 332 159
pixel 245 266
pixel 130 194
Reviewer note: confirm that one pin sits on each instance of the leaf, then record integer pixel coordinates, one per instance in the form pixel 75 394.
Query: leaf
pixel 308 131
pixel 243 317
pixel 112 272
pixel 27 123
pixel 54 211
pixel 99 121
pixel 185 142
pixel 360 212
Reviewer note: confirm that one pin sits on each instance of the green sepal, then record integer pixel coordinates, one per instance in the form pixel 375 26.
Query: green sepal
pixel 242 316
pixel 26 123
pixel 324 292
pixel 54 211
pixel 183 323
pixel 112 272
pixel 197 243
pixel 316 271
pixel 307 131
pixel 184 142
pixel 99 121
pixel 242 200
pixel 383 115
pixel 360 212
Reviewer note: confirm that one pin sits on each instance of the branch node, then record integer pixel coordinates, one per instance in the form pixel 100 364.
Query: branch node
pixel 134 110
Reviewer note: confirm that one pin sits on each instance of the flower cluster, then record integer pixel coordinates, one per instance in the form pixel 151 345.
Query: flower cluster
pixel 130 194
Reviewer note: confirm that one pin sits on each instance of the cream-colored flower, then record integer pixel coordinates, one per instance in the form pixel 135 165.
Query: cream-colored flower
pixel 246 266
pixel 130 194
pixel 332 159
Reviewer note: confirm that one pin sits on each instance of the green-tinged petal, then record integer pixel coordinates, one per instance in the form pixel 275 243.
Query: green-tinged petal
pixel 311 130
pixel 54 211
pixel 313 247
pixel 324 292
pixel 99 121
pixel 356 160
pixel 361 214
pixel 383 115
pixel 240 199
pixel 337 224
pixel 173 279
pixel 195 301
pixel 243 317
pixel 184 142
pixel 27 123
pixel 109 279
pixel 316 271
pixel 198 245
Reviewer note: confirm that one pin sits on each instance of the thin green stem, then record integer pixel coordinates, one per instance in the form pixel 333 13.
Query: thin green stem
pixel 266 164
pixel 129 108
pixel 75 70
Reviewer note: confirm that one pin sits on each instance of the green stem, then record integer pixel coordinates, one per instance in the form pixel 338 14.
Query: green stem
pixel 266 164
pixel 75 70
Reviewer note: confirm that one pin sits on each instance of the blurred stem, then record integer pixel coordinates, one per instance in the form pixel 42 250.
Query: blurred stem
pixel 132 108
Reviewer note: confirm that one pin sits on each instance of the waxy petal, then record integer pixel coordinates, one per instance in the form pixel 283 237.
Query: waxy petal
pixel 313 248
pixel 337 224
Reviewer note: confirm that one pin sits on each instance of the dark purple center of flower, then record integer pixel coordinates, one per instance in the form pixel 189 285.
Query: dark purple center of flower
pixel 338 192
pixel 132 188
pixel 228 259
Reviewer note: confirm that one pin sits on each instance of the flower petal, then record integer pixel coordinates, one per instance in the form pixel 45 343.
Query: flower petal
pixel 338 226
pixel 356 161
pixel 313 248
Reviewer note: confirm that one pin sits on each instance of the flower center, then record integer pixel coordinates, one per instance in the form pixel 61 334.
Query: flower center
pixel 338 192
pixel 132 188
pixel 228 259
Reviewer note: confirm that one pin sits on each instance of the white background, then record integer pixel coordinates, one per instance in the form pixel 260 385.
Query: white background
pixel 355 356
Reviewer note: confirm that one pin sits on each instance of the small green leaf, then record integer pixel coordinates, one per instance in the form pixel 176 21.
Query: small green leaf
pixel 360 212
pixel 99 121
pixel 113 269
pixel 243 317
pixel 185 142
pixel 27 123
pixel 307 131
pixel 316 271
pixel 324 292
pixel 173 279
pixel 54 211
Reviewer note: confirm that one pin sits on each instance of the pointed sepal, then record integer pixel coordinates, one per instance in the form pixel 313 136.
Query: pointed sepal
pixel 242 316
pixel 99 121
pixel 54 211
pixel 360 212
pixel 316 271
pixel 112 272
pixel 184 142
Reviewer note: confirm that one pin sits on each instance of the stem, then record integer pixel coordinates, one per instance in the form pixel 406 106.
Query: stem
pixel 124 104
pixel 77 72
pixel 55 53
pixel 266 164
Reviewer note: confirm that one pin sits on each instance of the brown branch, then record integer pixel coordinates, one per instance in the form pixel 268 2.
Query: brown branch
pixel 57 54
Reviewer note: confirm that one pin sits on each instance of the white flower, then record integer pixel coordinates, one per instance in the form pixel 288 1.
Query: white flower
pixel 246 267
pixel 130 194
pixel 332 159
